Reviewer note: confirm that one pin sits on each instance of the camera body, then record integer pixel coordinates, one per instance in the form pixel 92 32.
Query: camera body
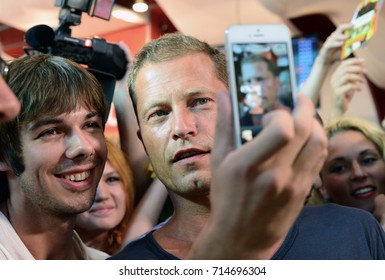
pixel 96 53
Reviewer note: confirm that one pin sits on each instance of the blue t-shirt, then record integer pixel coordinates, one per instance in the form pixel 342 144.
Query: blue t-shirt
pixel 327 232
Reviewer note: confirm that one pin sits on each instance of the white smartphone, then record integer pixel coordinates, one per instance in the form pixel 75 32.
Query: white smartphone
pixel 261 74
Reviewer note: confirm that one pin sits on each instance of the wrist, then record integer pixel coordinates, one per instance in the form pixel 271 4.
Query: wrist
pixel 324 63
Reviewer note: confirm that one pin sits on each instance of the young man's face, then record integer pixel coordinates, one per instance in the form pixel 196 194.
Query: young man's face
pixel 64 158
pixel 177 112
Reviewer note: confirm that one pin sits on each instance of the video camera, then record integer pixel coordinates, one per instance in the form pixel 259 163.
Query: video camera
pixel 96 53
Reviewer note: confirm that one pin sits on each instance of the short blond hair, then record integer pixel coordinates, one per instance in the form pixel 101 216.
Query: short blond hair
pixel 370 130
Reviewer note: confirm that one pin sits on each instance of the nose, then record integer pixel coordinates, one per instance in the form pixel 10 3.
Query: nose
pixel 184 124
pixel 357 171
pixel 79 146
pixel 101 192
pixel 9 104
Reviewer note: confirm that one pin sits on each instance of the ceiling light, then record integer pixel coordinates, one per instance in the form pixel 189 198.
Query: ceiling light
pixel 127 15
pixel 140 6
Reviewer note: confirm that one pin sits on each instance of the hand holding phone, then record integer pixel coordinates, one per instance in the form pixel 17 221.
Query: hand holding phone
pixel 261 74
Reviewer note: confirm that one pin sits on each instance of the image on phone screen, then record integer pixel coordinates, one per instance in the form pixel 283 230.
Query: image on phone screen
pixel 263 83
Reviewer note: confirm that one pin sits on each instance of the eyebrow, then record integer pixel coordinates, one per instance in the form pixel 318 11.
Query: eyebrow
pixel 363 152
pixel 57 120
pixel 114 172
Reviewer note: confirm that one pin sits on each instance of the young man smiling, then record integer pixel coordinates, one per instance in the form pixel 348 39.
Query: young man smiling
pixel 53 154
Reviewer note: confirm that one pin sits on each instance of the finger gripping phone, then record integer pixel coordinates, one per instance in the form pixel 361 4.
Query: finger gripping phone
pixel 261 74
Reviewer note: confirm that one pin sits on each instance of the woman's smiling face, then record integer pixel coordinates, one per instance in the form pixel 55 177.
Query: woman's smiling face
pixel 354 171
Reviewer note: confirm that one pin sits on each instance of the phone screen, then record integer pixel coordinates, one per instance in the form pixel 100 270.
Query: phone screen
pixel 263 83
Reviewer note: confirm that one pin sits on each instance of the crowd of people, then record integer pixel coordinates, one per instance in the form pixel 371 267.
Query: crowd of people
pixel 69 192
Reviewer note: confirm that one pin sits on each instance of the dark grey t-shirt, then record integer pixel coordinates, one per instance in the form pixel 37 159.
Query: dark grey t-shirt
pixel 328 232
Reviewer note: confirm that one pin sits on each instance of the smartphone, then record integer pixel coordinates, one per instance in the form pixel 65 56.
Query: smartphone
pixel 261 74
